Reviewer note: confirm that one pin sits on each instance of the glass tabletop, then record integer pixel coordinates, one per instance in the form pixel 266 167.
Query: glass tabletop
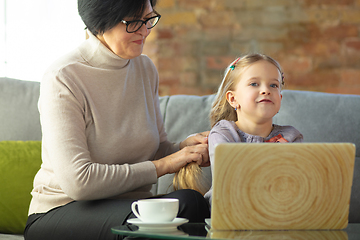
pixel 201 231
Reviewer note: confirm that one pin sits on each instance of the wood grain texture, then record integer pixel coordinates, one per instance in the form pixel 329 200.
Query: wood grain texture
pixel 282 186
pixel 284 235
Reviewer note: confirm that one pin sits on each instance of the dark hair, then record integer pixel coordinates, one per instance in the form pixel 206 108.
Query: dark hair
pixel 102 15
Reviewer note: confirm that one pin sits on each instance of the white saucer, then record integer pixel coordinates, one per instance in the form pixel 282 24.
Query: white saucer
pixel 163 226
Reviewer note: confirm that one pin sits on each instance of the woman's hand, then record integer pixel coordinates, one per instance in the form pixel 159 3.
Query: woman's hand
pixel 194 139
pixel 196 153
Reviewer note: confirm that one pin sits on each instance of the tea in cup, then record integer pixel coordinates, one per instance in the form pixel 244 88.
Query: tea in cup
pixel 156 210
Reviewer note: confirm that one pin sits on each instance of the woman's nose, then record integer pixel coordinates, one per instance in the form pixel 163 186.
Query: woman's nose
pixel 144 31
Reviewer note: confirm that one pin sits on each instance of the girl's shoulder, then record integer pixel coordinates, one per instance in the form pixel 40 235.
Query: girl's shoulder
pixel 224 131
pixel 290 133
pixel 224 125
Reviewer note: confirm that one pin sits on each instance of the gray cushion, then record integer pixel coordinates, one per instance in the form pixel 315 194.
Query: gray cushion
pixel 321 117
pixel 19 116
pixel 183 116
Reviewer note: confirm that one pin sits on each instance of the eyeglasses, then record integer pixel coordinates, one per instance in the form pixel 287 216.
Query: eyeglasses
pixel 133 26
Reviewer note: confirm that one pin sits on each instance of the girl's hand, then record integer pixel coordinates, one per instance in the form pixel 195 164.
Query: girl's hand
pixel 196 153
pixel 194 139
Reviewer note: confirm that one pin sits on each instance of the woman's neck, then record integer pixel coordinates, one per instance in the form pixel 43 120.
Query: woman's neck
pixel 253 128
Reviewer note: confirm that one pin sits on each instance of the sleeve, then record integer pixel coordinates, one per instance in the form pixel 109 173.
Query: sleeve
pixel 166 148
pixel 220 134
pixel 291 134
pixel 65 149
pixel 299 139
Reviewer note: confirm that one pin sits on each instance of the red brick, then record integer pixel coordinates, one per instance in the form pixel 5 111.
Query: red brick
pixel 328 2
pixel 151 49
pixel 165 33
pixel 350 16
pixel 218 62
pixel 248 33
pixel 297 64
pixel 352 60
pixel 189 79
pixel 350 77
pixel 163 4
pixel 169 64
pixel 174 49
pixel 315 78
pixel 187 90
pixel 301 33
pixel 190 63
pixel 212 79
pixel 333 61
pixel 214 48
pixel 324 16
pixel 195 4
pixel 178 18
pixel 317 42
pixel 352 53
pixel 188 33
pixel 217 34
pixel 320 48
pixel 168 79
pixel 217 19
pixel 353 44
pixel 343 90
pixel 341 31
pixel 270 48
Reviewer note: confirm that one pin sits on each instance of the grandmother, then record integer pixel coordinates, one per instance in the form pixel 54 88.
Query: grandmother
pixel 104 142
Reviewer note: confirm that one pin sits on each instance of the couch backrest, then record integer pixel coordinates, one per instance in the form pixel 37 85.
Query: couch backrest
pixel 321 117
pixel 19 116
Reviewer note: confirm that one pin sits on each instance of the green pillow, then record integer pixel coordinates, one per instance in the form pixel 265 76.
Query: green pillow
pixel 19 162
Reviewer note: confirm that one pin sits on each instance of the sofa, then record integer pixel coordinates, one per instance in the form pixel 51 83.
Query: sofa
pixel 320 117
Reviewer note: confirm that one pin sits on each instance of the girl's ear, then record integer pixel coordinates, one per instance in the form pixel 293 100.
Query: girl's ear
pixel 230 97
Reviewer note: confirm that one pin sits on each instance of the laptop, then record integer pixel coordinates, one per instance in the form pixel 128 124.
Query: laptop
pixel 271 186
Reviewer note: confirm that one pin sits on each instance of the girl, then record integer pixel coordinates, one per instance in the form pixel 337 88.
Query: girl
pixel 247 100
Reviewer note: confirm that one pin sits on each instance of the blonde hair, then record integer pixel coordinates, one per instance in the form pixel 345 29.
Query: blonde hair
pixel 221 109
pixel 190 176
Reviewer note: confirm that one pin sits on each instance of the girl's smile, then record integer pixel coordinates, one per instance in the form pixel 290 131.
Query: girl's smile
pixel 265 101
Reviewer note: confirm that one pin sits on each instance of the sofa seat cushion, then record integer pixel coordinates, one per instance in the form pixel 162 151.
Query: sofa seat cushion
pixel 19 162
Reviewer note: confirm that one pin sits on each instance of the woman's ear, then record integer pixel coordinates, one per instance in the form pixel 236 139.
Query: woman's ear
pixel 230 97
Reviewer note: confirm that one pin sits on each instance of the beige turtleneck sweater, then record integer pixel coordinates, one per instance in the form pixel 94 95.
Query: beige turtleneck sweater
pixel 101 126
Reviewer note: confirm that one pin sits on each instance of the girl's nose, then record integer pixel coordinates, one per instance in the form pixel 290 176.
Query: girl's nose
pixel 265 91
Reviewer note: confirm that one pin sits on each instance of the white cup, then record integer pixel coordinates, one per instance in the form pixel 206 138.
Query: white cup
pixel 156 209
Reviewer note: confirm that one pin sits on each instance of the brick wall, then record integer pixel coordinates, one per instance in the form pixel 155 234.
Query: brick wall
pixel 317 42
